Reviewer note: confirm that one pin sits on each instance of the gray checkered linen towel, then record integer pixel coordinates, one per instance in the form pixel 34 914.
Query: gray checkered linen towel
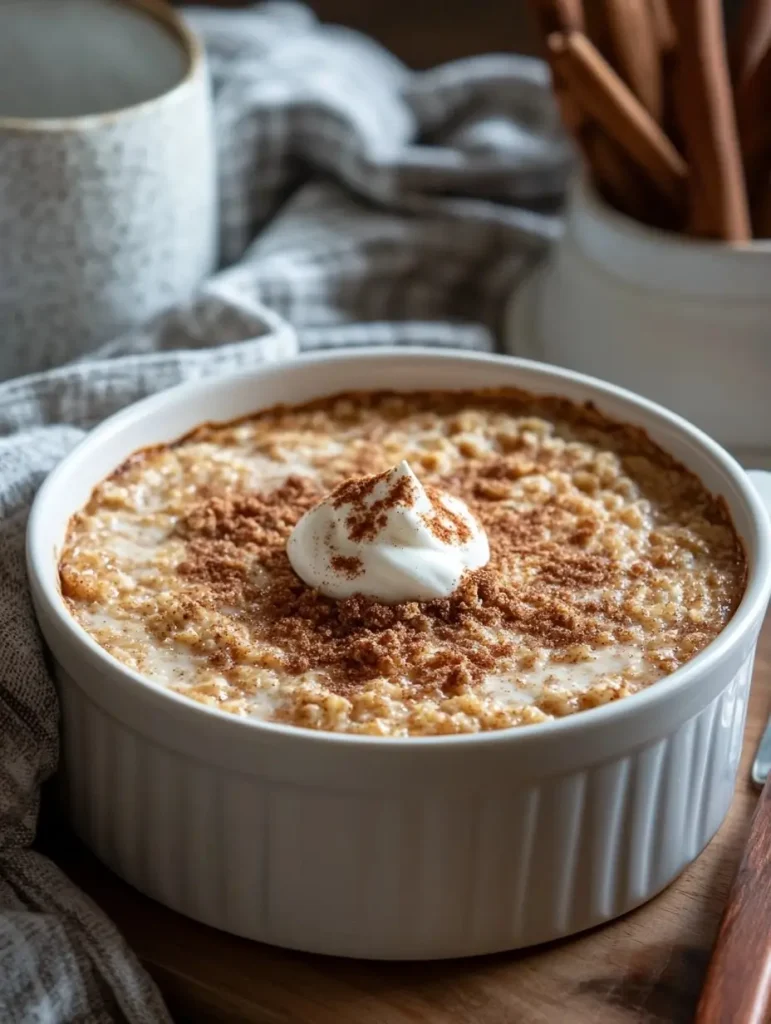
pixel 361 203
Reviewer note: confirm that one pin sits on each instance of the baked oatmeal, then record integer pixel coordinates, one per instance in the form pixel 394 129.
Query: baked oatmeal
pixel 527 558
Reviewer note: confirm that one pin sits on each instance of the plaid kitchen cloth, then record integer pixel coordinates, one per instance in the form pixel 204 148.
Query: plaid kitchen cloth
pixel 361 204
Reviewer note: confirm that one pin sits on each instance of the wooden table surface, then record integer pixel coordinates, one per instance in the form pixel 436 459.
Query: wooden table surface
pixel 645 968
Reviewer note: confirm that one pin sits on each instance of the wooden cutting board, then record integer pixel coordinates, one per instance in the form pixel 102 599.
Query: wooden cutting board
pixel 646 967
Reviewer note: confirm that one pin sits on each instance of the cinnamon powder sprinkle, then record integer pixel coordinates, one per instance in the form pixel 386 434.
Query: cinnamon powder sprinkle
pixel 366 520
pixel 440 644
pixel 602 547
pixel 347 565
pixel 446 525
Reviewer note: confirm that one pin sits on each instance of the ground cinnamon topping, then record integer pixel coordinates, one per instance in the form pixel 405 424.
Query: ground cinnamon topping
pixel 435 643
pixel 445 524
pixel 347 565
pixel 601 547
pixel 366 520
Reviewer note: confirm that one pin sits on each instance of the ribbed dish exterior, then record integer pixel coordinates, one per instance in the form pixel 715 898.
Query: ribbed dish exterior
pixel 421 873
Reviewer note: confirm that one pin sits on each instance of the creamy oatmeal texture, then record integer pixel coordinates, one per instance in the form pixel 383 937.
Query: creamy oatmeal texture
pixel 610 566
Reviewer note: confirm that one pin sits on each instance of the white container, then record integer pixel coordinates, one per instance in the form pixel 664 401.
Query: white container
pixel 395 848
pixel 684 322
pixel 108 205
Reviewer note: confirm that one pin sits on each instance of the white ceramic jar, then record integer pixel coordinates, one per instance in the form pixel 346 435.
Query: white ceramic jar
pixel 395 848
pixel 684 322
pixel 107 173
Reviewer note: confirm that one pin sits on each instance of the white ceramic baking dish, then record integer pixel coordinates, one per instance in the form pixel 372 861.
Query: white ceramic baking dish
pixel 385 848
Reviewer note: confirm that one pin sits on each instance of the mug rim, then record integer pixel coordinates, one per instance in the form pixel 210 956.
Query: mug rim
pixel 188 42
pixel 674 685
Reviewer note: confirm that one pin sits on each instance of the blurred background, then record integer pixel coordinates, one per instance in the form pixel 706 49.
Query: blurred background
pixel 427 32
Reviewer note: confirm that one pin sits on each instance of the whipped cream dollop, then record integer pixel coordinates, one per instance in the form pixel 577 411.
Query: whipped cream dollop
pixel 387 537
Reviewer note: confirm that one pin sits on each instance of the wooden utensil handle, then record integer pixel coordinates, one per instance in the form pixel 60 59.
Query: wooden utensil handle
pixel 738 985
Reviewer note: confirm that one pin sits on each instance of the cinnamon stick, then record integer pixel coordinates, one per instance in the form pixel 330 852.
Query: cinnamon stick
pixel 632 47
pixel 663 26
pixel 752 38
pixel 570 113
pixel 614 175
pixel 611 170
pixel 610 103
pixel 718 206
pixel 559 15
pixel 761 214
pixel 664 30
pixel 753 100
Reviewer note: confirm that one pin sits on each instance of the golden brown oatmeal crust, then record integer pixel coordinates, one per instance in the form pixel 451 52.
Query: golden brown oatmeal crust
pixel 599 540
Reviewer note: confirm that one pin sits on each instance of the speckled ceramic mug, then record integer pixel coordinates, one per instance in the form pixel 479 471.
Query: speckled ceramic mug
pixel 107 173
